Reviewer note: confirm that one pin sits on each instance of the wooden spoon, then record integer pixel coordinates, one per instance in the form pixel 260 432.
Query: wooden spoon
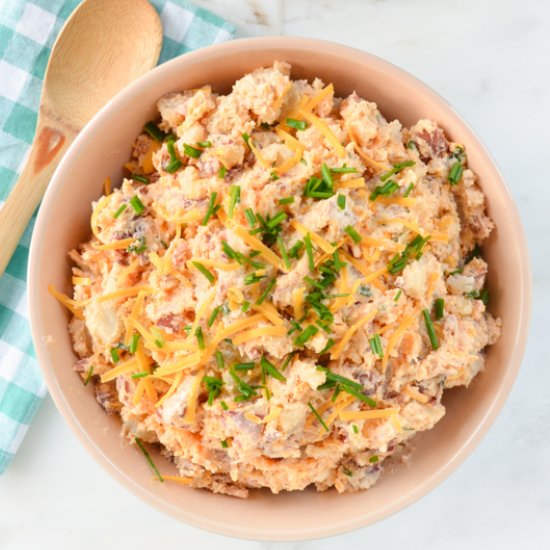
pixel 103 46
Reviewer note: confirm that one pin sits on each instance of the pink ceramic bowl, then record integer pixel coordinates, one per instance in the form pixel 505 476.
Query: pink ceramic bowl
pixel 63 222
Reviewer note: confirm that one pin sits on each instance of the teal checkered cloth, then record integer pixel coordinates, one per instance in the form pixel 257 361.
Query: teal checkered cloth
pixel 27 32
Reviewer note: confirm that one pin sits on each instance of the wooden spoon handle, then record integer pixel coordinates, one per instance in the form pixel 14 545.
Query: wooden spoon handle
pixel 49 145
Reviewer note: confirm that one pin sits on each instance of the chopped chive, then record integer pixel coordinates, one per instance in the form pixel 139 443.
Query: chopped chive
pixel 439 308
pixel 224 406
pixel 244 366
pixel 276 220
pixel 389 188
pixel 284 253
pixel 148 457
pixel 234 198
pixel 246 306
pixel 154 131
pixel 365 291
pixel 142 179
pixel 455 173
pixel 252 278
pixel 221 172
pixel 347 472
pixel 398 295
pixel 328 345
pixel 115 355
pixel 309 252
pixel 191 151
pixel 137 205
pixel 134 342
pixel 120 210
pixel 407 192
pixel 271 369
pixel 175 163
pixel 246 138
pixel 474 253
pixel 213 316
pixel 200 337
pixel 267 290
pixel 344 170
pixel 353 234
pixel 250 217
pixel 224 443
pixel 355 428
pixel 89 375
pixel 430 329
pixel 210 209
pixel 396 169
pixel 213 387
pixel 305 335
pixel 341 201
pixel 219 360
pixel 204 144
pixel 138 247
pixel 142 374
pixel 274 176
pixel 327 176
pixel 286 200
pixel 413 251
pixel 373 459
pixel 376 345
pixel 296 124
pixel 317 416
pixel 208 274
pixel 294 251
pixel 286 362
pixel 410 144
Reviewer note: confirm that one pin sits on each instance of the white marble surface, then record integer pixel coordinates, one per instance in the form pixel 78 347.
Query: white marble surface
pixel 489 58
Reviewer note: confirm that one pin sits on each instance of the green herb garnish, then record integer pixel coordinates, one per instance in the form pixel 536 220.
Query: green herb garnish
pixel 154 131
pixel 219 360
pixel 271 369
pixel 224 443
pixel 134 342
pixel 246 138
pixel 455 173
pixel 356 238
pixel 137 205
pixel 148 458
pixel 373 459
pixel 396 169
pixel 138 247
pixel 286 200
pixel 175 163
pixel 89 375
pixel 439 307
pixel 407 192
pixel 213 316
pixel 250 217
pixel 389 188
pixel 283 251
pixel 204 144
pixel 355 428
pixel 141 179
pixel 120 210
pixel 221 172
pixel 266 291
pixel 413 251
pixel 234 198
pixel 208 274
pixel 115 355
pixel 317 416
pixel 305 335
pixel 137 375
pixel 191 151
pixel 211 208
pixel 344 170
pixel 397 295
pixel 376 345
pixel 296 124
pixel 430 329
pixel 341 201
pixel 213 387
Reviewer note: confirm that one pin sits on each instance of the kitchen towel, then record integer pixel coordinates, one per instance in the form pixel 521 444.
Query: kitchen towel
pixel 27 33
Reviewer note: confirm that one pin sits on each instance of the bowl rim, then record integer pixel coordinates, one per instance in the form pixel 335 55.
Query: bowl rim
pixel 360 520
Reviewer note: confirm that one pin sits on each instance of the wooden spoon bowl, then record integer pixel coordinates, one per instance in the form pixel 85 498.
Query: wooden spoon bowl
pixel 103 46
